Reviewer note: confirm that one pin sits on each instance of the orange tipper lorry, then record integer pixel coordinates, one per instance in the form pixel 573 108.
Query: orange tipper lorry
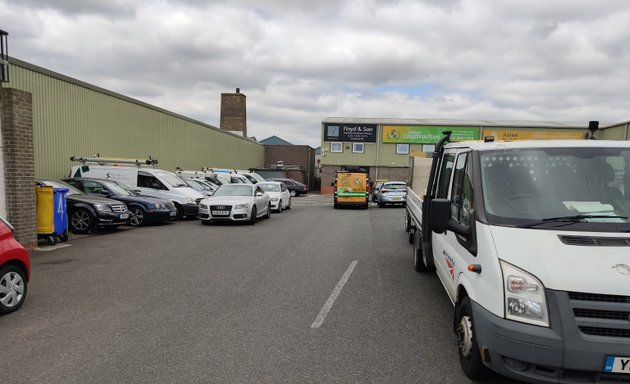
pixel 351 189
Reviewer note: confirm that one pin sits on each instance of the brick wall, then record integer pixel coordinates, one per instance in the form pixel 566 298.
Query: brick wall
pixel 16 109
pixel 234 112
pixel 301 155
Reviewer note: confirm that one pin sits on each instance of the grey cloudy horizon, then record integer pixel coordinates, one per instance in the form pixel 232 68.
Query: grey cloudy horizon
pixel 299 62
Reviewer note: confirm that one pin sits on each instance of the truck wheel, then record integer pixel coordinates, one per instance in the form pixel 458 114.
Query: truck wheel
pixel 468 349
pixel 427 257
pixel 418 263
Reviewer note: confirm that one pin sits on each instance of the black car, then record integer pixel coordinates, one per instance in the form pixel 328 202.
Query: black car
pixel 295 187
pixel 142 209
pixel 88 212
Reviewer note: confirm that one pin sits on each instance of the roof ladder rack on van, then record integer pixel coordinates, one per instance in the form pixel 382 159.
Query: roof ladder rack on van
pixel 113 161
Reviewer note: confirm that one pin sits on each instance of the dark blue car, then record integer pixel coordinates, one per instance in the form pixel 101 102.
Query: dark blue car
pixel 142 209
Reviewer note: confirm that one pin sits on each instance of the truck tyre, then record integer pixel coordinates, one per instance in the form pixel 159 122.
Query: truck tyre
pixel 427 257
pixel 408 229
pixel 468 349
pixel 418 263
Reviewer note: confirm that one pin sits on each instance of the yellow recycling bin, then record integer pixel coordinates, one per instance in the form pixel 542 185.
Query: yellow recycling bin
pixel 45 210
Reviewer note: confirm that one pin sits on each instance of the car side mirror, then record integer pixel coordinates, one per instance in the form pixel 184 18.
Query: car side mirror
pixel 105 193
pixel 259 194
pixel 441 221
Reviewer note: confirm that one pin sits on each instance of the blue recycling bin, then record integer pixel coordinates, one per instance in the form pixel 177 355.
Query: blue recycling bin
pixel 60 213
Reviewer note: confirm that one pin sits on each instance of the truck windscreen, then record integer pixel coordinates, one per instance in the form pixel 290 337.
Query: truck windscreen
pixel 558 187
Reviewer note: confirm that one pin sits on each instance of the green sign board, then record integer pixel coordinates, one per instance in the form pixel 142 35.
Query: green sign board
pixel 426 135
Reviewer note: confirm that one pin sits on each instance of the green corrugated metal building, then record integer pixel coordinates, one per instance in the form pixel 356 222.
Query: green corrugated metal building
pixel 73 118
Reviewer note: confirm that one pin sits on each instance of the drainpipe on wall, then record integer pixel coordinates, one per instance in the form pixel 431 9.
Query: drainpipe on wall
pixel 378 150
pixel 3 200
pixel 626 134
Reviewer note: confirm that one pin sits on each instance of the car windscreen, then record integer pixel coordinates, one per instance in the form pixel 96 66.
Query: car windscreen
pixel 61 184
pixel 172 180
pixel 119 189
pixel 557 187
pixel 270 187
pixel 397 187
pixel 234 190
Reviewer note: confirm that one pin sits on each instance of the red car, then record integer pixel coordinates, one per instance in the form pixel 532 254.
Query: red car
pixel 15 270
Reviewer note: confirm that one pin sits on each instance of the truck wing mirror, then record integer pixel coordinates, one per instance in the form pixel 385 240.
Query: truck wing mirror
pixel 440 218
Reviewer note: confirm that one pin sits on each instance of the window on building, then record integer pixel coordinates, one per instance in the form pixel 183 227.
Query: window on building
pixel 402 149
pixel 336 147
pixel 358 147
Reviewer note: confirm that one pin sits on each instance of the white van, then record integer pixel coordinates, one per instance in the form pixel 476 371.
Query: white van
pixel 150 182
pixel 531 241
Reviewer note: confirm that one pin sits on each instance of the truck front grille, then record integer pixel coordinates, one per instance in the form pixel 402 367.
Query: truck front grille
pixel 601 315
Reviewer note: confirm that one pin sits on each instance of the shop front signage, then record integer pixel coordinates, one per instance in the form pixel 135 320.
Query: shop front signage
pixel 515 135
pixel 426 135
pixel 350 132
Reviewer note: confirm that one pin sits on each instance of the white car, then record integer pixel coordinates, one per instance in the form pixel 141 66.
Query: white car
pixel 278 193
pixel 235 202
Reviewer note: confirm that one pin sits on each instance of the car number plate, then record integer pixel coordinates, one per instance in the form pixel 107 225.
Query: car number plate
pixel 220 213
pixel 396 198
pixel 617 364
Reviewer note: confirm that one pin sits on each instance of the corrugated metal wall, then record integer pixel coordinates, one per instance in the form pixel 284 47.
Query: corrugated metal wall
pixel 74 119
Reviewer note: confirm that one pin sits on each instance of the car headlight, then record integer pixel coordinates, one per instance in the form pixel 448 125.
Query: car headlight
pixel 524 296
pixel 241 206
pixel 190 200
pixel 103 207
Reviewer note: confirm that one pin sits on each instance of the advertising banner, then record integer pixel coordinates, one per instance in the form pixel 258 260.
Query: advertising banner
pixel 350 132
pixel 426 135
pixel 514 135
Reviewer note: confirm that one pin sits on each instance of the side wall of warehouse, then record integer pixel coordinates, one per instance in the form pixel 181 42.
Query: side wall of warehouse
pixel 72 118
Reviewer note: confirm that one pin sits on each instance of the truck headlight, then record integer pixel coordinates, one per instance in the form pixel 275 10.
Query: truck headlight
pixel 524 296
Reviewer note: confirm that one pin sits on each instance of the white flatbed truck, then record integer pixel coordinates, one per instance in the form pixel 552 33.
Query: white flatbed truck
pixel 531 241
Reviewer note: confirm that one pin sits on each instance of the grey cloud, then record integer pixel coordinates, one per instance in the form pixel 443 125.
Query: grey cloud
pixel 119 8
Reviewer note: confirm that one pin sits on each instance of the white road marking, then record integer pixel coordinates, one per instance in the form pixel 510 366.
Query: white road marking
pixel 52 247
pixel 319 320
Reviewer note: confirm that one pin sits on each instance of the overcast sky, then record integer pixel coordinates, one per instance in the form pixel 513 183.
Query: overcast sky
pixel 300 62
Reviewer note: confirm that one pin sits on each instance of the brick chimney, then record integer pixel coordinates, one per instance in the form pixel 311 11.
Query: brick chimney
pixel 233 112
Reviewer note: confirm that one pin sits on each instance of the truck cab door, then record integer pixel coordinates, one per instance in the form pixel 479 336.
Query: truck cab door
pixel 452 252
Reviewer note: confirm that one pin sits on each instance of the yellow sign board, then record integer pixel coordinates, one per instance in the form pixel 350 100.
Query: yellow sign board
pixel 514 135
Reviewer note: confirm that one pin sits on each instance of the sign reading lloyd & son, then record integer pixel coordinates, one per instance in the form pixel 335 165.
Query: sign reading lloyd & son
pixel 350 132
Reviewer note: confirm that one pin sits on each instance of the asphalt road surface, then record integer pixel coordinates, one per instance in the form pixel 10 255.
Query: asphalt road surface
pixel 312 295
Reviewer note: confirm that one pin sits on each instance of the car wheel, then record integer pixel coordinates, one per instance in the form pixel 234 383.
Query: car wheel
pixel 12 288
pixel 280 205
pixel 268 215
pixel 82 221
pixel 289 205
pixel 137 216
pixel 252 219
pixel 468 349
pixel 380 205
pixel 293 193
